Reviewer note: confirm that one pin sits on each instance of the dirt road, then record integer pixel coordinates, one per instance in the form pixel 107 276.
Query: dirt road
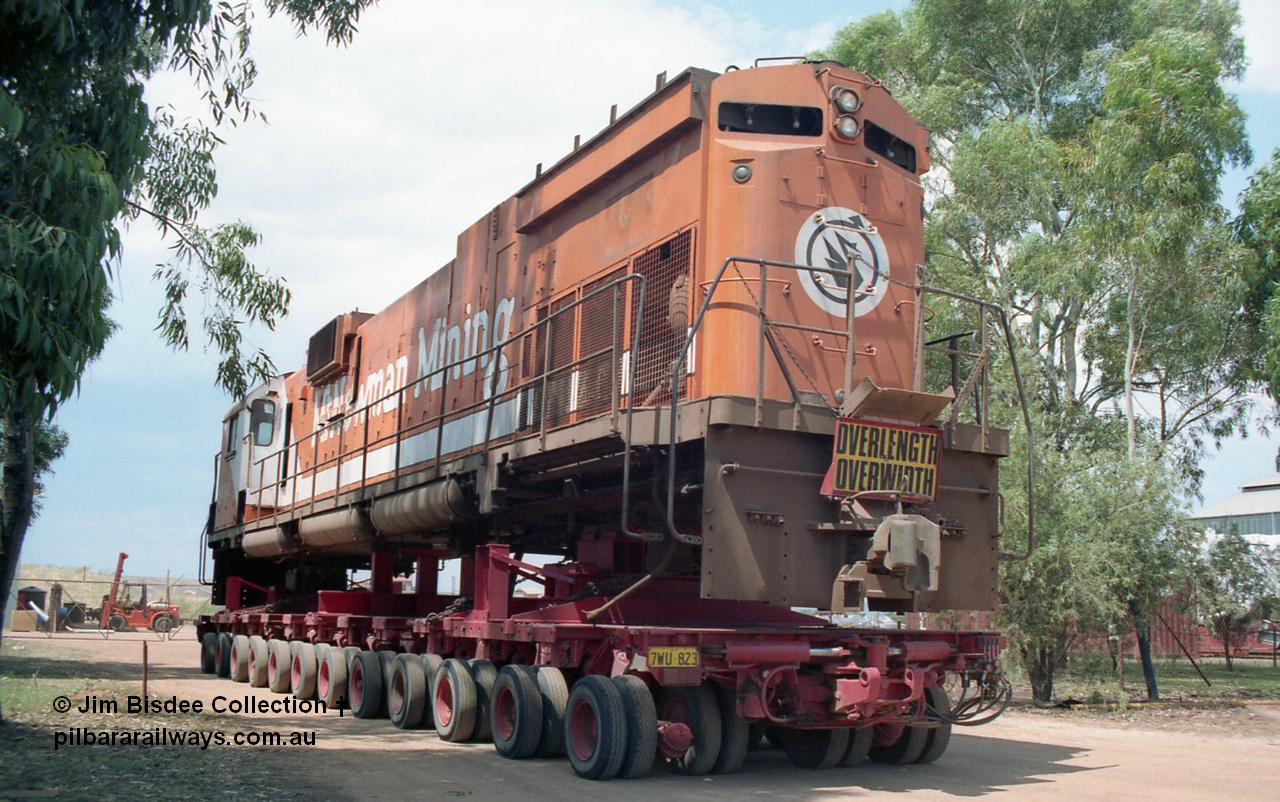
pixel 1224 755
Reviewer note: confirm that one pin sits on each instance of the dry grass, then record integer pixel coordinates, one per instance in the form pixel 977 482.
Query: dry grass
pixel 32 674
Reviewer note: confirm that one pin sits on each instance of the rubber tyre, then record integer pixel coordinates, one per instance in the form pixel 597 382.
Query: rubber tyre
pixel 258 659
pixel 331 678
pixel 515 717
pixel 223 654
pixel 936 738
pixel 485 675
pixel 279 666
pixel 115 623
pixel 859 747
pixel 239 658
pixel 349 653
pixel 430 667
pixel 555 702
pixel 407 692
pixel 815 749
pixel 595 728
pixel 906 748
pixel 453 701
pixel 735 732
pixel 642 726
pixel 209 653
pixel 302 670
pixel 387 659
pixel 161 624
pixel 364 686
pixel 697 708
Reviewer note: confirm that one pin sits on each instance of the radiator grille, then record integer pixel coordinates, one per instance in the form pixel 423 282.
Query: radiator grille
pixel 595 385
pixel 586 333
pixel 322 352
pixel 661 266
pixel 533 363
pixel 559 389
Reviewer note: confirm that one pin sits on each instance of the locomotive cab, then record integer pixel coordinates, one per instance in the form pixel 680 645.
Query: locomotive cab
pixel 249 476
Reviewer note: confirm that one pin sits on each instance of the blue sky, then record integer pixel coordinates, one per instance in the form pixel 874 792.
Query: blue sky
pixel 375 157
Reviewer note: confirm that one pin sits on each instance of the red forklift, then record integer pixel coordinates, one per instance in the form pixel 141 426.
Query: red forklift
pixel 121 611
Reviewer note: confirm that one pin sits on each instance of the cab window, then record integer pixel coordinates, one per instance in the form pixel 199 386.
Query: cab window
pixel 232 429
pixel 767 118
pixel 262 421
pixel 889 146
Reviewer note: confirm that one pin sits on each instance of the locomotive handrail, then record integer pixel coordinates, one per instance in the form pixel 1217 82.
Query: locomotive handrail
pixel 673 532
pixel 342 422
pixel 679 362
pixel 998 311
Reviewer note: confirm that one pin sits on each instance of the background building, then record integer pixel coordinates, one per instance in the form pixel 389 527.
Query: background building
pixel 1254 512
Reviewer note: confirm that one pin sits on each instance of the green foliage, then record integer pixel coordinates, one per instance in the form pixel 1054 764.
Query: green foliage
pixel 1258 227
pixel 1108 529
pixel 72 140
pixel 1235 584
pixel 80 149
pixel 1082 142
pixel 80 152
pixel 1079 145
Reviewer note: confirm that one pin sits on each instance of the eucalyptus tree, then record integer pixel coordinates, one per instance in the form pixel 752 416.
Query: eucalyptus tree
pixel 1237 581
pixel 1258 227
pixel 1079 145
pixel 81 151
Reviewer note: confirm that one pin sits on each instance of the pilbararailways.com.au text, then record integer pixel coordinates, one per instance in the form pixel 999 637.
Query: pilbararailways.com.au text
pixel 166 736
pixel 179 736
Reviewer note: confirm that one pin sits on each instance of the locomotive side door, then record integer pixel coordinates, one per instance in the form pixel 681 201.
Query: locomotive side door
pixel 252 441
pixel 264 443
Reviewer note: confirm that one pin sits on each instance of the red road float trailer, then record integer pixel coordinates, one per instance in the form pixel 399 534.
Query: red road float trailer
pixel 689 360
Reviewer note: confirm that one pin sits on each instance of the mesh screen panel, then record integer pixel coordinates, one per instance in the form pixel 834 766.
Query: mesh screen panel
pixel 595 386
pixel 562 336
pixel 321 351
pixel 659 345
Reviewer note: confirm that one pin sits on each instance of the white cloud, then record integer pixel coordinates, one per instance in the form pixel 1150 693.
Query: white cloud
pixel 376 157
pixel 1261 20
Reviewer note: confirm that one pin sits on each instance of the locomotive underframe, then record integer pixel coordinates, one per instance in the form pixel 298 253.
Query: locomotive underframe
pixel 786 668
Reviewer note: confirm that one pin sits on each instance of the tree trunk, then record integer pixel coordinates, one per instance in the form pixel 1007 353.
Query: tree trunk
pixel 1224 635
pixel 1144 651
pixel 1130 362
pixel 1069 355
pixel 17 488
pixel 1040 662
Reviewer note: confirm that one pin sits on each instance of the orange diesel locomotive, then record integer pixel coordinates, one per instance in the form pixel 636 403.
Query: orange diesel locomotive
pixel 689 362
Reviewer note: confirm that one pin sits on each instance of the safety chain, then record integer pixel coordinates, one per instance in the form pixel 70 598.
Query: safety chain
pixel 781 340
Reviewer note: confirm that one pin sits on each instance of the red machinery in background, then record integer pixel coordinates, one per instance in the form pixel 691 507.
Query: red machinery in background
pixel 121 611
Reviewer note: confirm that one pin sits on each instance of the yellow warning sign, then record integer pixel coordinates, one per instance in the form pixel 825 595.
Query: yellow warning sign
pixel 884 458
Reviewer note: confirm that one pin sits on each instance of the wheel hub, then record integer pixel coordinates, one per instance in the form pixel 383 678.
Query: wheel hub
pixel 674 739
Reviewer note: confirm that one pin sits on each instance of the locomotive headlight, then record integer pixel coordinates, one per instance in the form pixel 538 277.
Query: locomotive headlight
pixel 846 99
pixel 848 126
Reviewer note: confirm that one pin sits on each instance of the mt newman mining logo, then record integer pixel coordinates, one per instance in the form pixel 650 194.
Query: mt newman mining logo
pixel 829 240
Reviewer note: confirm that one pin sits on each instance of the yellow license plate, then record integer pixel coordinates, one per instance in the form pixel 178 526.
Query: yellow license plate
pixel 871 459
pixel 673 657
